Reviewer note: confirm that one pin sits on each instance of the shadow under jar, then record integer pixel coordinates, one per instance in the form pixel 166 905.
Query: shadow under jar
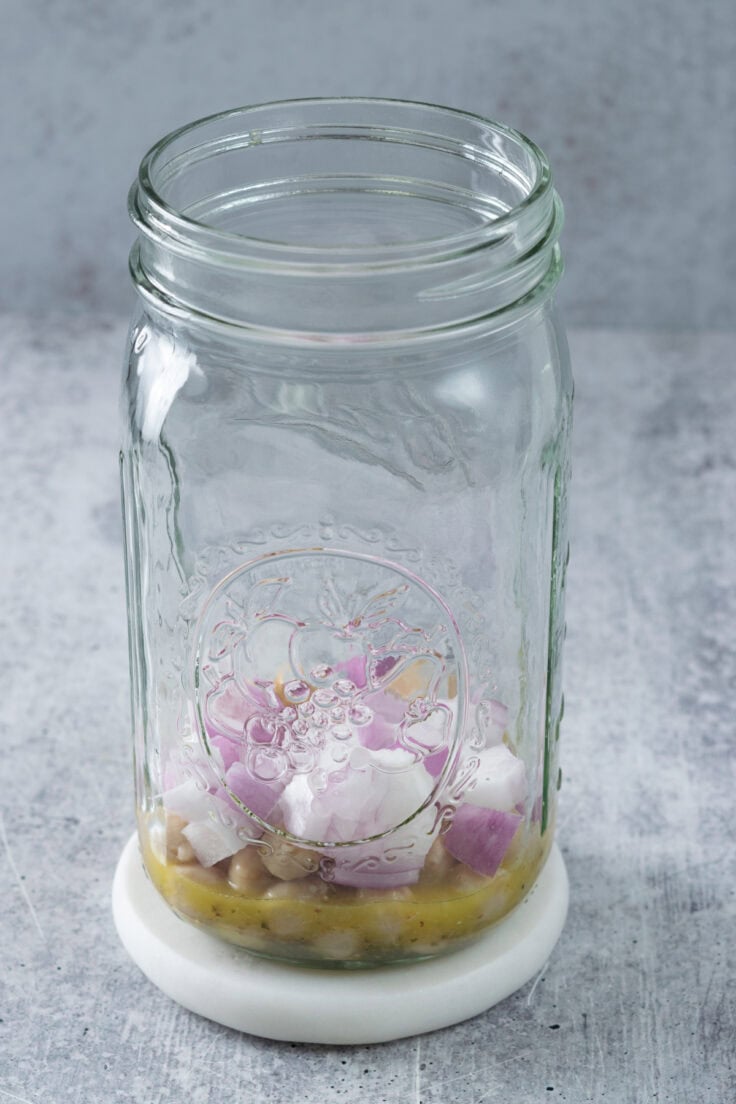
pixel 347 411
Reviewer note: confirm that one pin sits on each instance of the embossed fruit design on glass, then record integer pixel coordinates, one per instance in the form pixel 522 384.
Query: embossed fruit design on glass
pixel 344 471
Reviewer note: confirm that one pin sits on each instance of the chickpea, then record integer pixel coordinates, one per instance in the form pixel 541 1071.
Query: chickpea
pixel 178 847
pixel 246 872
pixel 288 863
pixel 337 945
pixel 298 890
pixel 438 864
pixel 398 893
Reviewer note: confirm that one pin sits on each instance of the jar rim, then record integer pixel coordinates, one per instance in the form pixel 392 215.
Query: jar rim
pixel 534 217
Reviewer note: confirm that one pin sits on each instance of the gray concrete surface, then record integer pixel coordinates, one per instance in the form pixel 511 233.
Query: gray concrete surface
pixel 637 1003
pixel 634 103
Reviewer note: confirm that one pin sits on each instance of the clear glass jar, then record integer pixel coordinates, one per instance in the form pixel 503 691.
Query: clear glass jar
pixel 347 412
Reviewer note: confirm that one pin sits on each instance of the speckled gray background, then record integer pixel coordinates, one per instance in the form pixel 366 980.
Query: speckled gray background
pixel 635 103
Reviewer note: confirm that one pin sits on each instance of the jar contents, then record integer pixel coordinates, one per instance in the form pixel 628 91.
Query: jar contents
pixel 330 820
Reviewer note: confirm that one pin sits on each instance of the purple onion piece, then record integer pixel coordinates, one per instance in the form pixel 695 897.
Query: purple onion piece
pixel 382 878
pixel 355 670
pixel 389 863
pixel 481 837
pixel 228 748
pixel 257 795
pixel 435 762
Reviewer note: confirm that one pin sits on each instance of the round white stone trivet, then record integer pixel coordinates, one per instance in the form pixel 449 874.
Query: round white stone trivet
pixel 305 1005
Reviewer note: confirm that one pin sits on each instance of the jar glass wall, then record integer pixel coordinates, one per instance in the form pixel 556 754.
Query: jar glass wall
pixel 347 410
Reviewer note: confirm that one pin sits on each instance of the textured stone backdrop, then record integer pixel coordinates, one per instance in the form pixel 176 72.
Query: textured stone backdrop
pixel 634 101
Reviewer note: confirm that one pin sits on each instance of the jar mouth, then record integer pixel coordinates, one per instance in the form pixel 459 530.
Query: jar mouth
pixel 485 144
pixel 456 214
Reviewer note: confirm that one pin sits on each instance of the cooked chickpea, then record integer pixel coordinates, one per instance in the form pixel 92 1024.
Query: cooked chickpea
pixel 288 863
pixel 246 872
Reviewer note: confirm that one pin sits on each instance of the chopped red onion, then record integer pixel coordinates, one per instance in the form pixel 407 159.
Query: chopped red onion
pixel 227 709
pixel 258 796
pixel 360 757
pixel 215 830
pixel 228 748
pixel 435 763
pixel 372 794
pixel 355 670
pixel 480 837
pixel 382 667
pixel 394 861
pixel 390 862
pixel 375 792
pixel 383 730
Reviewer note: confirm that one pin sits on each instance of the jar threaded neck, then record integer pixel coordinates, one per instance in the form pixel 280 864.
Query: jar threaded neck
pixel 326 219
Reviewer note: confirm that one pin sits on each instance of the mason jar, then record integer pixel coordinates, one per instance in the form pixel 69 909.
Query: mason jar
pixel 344 470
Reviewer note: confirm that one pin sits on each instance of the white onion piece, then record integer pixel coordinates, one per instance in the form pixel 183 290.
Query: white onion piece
pixel 378 790
pixel 500 782
pixel 300 814
pixel 215 828
pixel 370 795
pixel 188 800
pixel 213 841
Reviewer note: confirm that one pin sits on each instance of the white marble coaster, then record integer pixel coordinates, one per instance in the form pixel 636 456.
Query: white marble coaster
pixel 300 1004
